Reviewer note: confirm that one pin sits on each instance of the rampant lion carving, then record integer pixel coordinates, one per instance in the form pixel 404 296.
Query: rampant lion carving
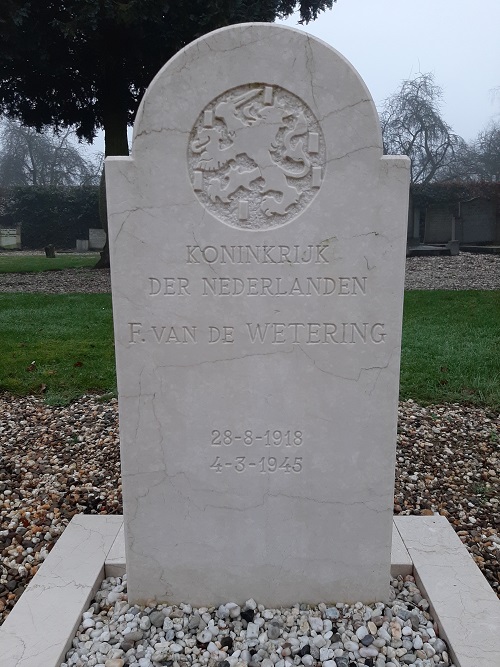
pixel 260 144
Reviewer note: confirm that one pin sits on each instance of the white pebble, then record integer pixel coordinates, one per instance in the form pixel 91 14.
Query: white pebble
pixel 145 623
pixel 233 609
pixel 323 654
pixel 252 631
pixel 316 623
pixel 204 636
pixel 319 641
pixel 351 646
pixel 368 651
pixel 382 632
pixel 429 650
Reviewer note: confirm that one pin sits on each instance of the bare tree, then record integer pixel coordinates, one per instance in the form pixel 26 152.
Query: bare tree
pixel 412 125
pixel 478 160
pixel 28 157
pixel 486 153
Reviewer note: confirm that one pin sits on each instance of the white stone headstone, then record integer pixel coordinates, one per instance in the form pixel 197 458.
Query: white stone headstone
pixel 82 245
pixel 257 253
pixel 97 239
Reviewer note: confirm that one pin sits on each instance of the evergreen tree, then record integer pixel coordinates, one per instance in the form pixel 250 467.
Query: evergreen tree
pixel 86 63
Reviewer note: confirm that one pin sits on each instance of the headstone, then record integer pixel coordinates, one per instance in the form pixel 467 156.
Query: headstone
pixel 82 245
pixel 97 239
pixel 50 251
pixel 257 253
pixel 10 238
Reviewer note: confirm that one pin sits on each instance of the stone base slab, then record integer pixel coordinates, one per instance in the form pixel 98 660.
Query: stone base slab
pixel 40 628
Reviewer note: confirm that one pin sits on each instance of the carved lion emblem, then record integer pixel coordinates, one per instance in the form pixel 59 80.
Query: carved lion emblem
pixel 256 157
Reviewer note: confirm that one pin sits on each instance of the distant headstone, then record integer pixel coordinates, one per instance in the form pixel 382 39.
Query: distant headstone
pixel 257 251
pixel 10 238
pixel 97 239
pixel 50 251
pixel 82 245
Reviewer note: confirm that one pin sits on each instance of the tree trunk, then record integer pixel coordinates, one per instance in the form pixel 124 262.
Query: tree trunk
pixel 115 143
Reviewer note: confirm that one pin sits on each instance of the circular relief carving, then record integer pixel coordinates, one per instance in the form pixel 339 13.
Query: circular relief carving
pixel 256 157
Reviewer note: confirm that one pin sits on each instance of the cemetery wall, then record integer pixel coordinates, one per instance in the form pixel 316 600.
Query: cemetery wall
pixel 474 206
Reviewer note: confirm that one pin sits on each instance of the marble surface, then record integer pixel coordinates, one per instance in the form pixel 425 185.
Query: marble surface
pixel 401 563
pixel 463 603
pixel 257 258
pixel 41 626
pixel 115 560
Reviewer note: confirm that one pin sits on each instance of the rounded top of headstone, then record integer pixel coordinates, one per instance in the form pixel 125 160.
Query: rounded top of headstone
pixel 252 53
pixel 261 113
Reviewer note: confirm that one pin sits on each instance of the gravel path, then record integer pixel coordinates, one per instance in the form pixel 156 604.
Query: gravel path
pixel 57 461
pixel 66 281
pixel 465 271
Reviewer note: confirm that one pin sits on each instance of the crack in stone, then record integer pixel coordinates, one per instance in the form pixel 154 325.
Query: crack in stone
pixel 349 153
pixel 161 130
pixel 218 361
pixel 343 377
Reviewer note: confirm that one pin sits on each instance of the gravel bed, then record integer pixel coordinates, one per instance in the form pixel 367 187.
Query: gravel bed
pixel 401 632
pixel 64 281
pixel 461 272
pixel 465 271
pixel 58 461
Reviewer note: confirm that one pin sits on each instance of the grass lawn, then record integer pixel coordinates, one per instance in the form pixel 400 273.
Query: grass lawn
pixel 451 346
pixel 13 263
pixel 68 336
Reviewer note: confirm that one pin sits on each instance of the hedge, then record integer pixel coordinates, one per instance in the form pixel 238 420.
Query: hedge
pixel 453 192
pixel 57 215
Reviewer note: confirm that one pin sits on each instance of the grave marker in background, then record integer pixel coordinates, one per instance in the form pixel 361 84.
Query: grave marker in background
pixel 97 239
pixel 258 246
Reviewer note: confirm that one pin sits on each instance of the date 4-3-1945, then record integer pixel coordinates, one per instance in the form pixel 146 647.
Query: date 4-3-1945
pixel 267 464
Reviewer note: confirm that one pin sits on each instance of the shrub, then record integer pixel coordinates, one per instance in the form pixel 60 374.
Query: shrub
pixel 57 215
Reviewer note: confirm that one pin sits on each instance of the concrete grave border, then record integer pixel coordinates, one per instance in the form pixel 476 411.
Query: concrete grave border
pixel 39 630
